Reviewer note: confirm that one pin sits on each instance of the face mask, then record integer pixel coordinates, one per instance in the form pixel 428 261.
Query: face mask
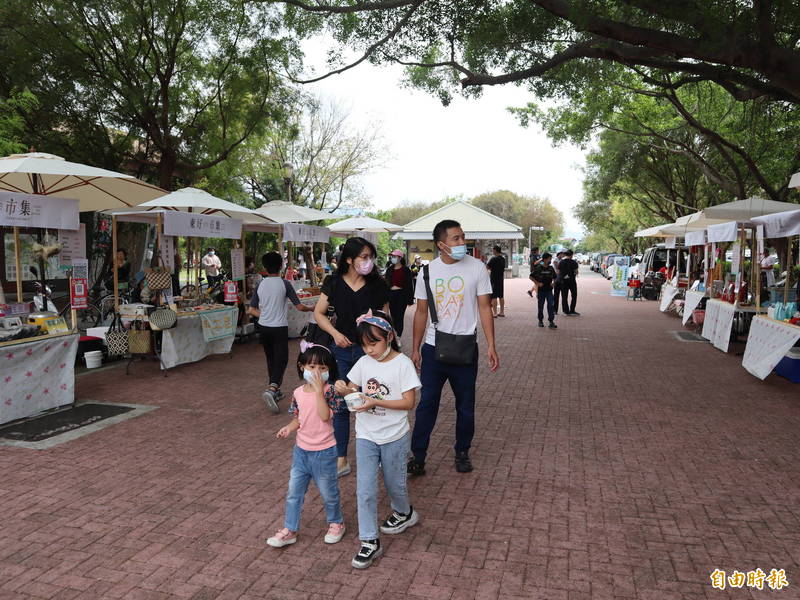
pixel 395 260
pixel 211 253
pixel 309 376
pixel 457 252
pixel 364 267
pixel 386 352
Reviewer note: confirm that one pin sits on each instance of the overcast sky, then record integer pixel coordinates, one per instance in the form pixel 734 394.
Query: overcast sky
pixel 467 148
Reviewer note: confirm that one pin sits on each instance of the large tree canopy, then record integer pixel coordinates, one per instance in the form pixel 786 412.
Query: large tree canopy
pixel 748 48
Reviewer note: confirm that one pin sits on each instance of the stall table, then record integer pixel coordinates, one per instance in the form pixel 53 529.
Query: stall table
pixel 767 344
pixel 38 374
pixel 298 320
pixel 718 322
pixel 668 293
pixel 198 335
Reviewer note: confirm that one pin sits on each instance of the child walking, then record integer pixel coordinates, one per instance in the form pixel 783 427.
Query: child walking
pixel 389 381
pixel 314 455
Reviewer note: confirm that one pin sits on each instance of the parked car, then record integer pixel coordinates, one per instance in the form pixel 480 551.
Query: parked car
pixel 594 261
pixel 655 258
pixel 608 260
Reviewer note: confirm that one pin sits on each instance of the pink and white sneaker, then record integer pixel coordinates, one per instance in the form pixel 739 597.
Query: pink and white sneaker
pixel 283 538
pixel 335 533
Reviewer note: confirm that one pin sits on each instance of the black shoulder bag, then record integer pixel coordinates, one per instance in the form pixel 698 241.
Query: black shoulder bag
pixel 314 333
pixel 450 349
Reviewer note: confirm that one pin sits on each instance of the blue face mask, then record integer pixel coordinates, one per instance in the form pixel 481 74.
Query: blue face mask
pixel 309 376
pixel 458 252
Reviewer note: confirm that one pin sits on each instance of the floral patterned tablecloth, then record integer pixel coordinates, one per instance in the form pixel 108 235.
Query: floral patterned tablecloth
pixel 37 376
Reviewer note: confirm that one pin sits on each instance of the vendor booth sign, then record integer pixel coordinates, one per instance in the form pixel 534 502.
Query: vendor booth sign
pixel 73 245
pixel 195 225
pixel 230 292
pixel 218 324
pixel 619 285
pixel 79 293
pixel 43 212
pixel 295 232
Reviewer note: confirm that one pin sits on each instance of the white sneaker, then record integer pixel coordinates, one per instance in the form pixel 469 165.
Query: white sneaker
pixel 335 533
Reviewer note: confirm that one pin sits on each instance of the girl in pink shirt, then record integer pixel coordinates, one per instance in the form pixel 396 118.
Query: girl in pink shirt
pixel 314 455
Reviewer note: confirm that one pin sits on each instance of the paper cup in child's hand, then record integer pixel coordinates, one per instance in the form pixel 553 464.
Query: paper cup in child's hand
pixel 354 401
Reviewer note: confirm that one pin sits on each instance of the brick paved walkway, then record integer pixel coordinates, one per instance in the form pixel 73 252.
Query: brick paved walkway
pixel 612 461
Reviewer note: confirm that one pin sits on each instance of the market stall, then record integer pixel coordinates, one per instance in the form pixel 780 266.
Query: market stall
pixel 768 343
pixel 198 335
pixel 718 323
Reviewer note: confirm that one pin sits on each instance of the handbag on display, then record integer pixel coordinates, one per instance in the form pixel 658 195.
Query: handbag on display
pixel 158 278
pixel 139 338
pixel 117 338
pixel 450 348
pixel 162 318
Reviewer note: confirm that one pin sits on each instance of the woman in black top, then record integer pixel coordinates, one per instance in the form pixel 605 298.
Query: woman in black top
pixel 400 280
pixel 355 288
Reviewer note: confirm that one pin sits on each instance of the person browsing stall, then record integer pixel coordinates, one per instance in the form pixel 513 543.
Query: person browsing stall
pixel 269 305
pixel 400 280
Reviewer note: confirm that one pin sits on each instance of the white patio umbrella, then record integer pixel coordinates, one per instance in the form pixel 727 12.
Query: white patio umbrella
pixel 95 189
pixel 794 182
pixel 281 211
pixel 744 210
pixel 359 224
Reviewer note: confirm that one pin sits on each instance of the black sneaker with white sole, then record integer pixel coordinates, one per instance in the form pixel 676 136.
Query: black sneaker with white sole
pixel 269 399
pixel 398 522
pixel 370 550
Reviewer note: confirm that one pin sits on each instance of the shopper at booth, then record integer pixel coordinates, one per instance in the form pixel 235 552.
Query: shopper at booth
pixel 269 305
pixel 401 289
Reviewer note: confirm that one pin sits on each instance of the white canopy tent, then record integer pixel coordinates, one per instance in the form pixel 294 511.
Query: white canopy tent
pixel 95 189
pixel 779 225
pixel 363 224
pixel 794 182
pixel 281 211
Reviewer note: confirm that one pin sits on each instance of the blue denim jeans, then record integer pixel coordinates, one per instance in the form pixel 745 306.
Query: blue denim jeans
pixel 392 460
pixel 345 359
pixel 433 376
pixel 320 466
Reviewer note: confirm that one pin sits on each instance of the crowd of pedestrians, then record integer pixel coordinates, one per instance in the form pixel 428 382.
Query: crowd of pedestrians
pixel 358 367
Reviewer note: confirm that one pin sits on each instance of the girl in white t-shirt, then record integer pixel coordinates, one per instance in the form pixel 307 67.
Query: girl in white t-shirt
pixel 389 382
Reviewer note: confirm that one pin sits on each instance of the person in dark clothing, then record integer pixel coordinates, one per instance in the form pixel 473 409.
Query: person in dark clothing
pixel 544 276
pixel 568 272
pixel 400 280
pixel 497 269
pixel 355 288
pixel 557 284
pixel 535 258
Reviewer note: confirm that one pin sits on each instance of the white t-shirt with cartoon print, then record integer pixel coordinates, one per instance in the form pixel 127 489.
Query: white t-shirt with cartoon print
pixel 456 289
pixel 387 380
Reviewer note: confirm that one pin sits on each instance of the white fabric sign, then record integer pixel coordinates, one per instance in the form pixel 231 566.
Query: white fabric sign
pixel 696 238
pixel 168 251
pixel 296 232
pixel 669 242
pixel 760 240
pixel 195 225
pixel 73 245
pixel 33 210
pixel 767 344
pixel 735 258
pixel 37 376
pixel 237 264
pixel 718 323
pixel 184 343
pixel 218 324
pixel 723 232
pixel 781 225
pixel 690 303
pixel 668 292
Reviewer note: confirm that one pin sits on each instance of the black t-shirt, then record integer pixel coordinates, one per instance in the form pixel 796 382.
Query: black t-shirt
pixel 568 268
pixel 497 267
pixel 544 274
pixel 350 305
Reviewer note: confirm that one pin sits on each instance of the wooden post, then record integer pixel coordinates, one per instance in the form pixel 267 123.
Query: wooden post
pixel 788 270
pixel 114 261
pixel 18 263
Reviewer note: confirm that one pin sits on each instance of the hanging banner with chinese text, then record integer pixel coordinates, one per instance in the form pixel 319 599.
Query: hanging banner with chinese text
pixel 168 251
pixel 230 292
pixel 194 225
pixel 43 212
pixel 73 245
pixel 237 264
pixel 296 232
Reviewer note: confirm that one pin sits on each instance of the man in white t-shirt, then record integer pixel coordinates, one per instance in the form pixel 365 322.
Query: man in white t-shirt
pixel 212 264
pixel 767 267
pixel 462 291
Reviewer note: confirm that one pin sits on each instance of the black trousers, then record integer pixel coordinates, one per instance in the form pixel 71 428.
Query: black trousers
pixel 545 294
pixel 556 294
pixel 275 341
pixel 567 286
pixel 397 309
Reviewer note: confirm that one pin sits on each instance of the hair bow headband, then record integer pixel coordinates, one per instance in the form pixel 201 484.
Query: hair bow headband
pixel 379 322
pixel 304 345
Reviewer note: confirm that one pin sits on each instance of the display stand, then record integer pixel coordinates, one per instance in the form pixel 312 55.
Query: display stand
pixel 691 302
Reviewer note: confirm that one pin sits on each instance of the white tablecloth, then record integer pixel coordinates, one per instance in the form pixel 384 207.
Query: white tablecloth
pixel 767 344
pixel 298 320
pixel 718 322
pixel 37 376
pixel 668 292
pixel 691 302
pixel 185 343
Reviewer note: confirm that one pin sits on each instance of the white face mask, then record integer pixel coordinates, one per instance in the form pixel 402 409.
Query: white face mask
pixel 386 352
pixel 309 376
pixel 394 260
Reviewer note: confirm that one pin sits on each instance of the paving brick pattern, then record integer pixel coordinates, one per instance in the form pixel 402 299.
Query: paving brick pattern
pixel 612 461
